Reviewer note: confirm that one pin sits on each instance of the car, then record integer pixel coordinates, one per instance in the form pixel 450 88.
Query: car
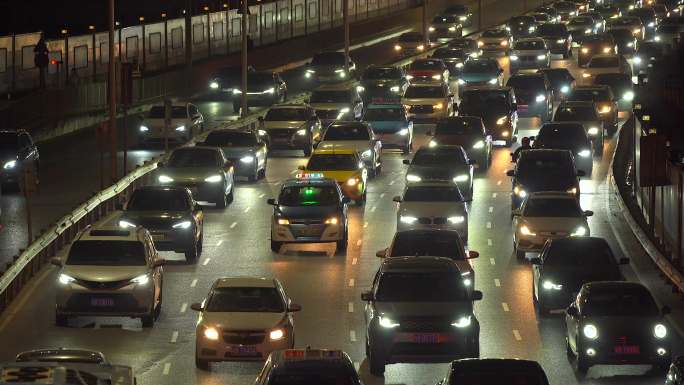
pixel 204 170
pixel 495 41
pixel 383 84
pixel 565 264
pixel 58 373
pixel 493 371
pixel 521 26
pixel 465 16
pixel 587 114
pixel 581 26
pixel 263 89
pixel 547 215
pixel 533 94
pixel 675 374
pixel 453 58
pixel 608 11
pixel 173 218
pixel 63 355
pixel 331 102
pixel 185 120
pixel 617 323
pixel 543 170
pixel 244 148
pixel 410 43
pixel 498 109
pixel 599 20
pixel 358 136
pixel 243 319
pixel 467 44
pixel 125 280
pixel 648 19
pixel 602 43
pixel 442 328
pixel 435 242
pixel 661 11
pixel 290 126
pixel 391 125
pixel 541 17
pixel 308 366
pixel 569 136
pixel 432 205
pixel 605 64
pixel 445 27
pixel 310 209
pixel 343 165
pixel 648 53
pixel 620 85
pixel 442 163
pixel 427 71
pixel 17 153
pixel 668 33
pixel 329 67
pixel 626 5
pixel 467 131
pixel 560 80
pixel 582 5
pixel 626 42
pixel 605 102
pixel 566 10
pixel 478 72
pixel 529 53
pixel 223 81
pixel 549 10
pixel 557 38
pixel 629 23
pixel 428 102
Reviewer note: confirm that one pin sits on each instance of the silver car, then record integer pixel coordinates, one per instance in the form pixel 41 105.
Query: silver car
pixel 185 120
pixel 427 102
pixel 290 127
pixel 110 272
pixel 335 101
pixel 530 53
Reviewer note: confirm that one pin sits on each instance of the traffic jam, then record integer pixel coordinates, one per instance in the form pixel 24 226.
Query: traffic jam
pixel 445 107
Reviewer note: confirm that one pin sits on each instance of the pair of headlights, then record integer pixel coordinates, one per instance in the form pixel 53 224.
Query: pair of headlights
pixel 141 280
pixel 590 331
pixel 213 334
pixel 580 231
pixel 183 225
pixel 461 322
pixel 210 179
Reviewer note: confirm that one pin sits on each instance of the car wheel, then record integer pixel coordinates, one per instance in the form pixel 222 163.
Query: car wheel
pixel 158 308
pixel 568 349
pixel 236 108
pixel 231 195
pixel 148 320
pixel 598 147
pixel 192 253
pixel 342 243
pixel 407 149
pixel 222 202
pixel 582 364
pixel 201 364
pixel 61 320
pixel 520 254
pixel 376 364
pixel 275 246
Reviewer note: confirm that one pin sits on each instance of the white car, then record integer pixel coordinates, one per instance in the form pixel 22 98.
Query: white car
pixel 185 121
pixel 433 206
pixel 547 215
pixel 604 64
pixel 243 319
pixel 358 136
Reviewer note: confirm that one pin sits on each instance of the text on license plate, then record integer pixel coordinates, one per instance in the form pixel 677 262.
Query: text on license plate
pixel 422 338
pixel 158 237
pixel 627 349
pixel 102 302
pixel 244 350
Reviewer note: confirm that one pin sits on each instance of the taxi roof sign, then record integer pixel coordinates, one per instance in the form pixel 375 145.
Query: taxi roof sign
pixel 312 354
pixel 312 175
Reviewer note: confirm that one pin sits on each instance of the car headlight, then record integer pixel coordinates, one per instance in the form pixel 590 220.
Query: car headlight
pixel 387 322
pixel 517 190
pixel 636 60
pixel 630 44
pixel 341 74
pixel 270 91
pixel 247 159
pixel 180 128
pixel 560 41
pixel 514 57
pixel 657 38
pixel 182 225
pixel 463 18
pixel 593 131
pixel 413 178
pixel 479 144
pixel 10 164
pixel 524 230
pixel 461 178
pixel 585 50
pixel 590 331
pixel 144 128
pixel 403 132
pixel 480 43
pixel 605 109
pixel 493 81
pixel 397 47
pixel 540 98
pixel 541 57
pixel 628 96
pixel 310 71
pixel 501 120
pixel 124 224
pixel 432 143
pixel 262 132
pixel 65 279
pixel 213 179
pixel 572 190
pixel 409 77
pixel 408 219
pixel 283 221
pixel 360 88
pixel 141 279
pixel 459 65
pixel 607 50
pixel 565 89
pixel 437 77
pixel 456 219
pixel 438 106
pixel 531 29
pixel 548 285
pixel 352 181
pixel 584 153
pixel 461 81
pixel 394 88
pixel 332 221
pixel 504 43
pixel 164 179
pixel 651 24
pixel 344 110
pixel 366 154
pixel 637 31
pixel 213 85
pixel 462 322
pixel 236 91
pixel 586 75
pixel 431 29
pixel 660 331
pixel 211 334
pixel 452 29
pixel 420 47
pixel 579 232
pixel 276 334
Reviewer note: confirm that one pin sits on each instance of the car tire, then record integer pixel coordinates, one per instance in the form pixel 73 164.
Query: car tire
pixel 201 364
pixel 376 365
pixel 568 349
pixel 222 202
pixel 61 320
pixel 342 243
pixel 236 108
pixel 407 149
pixel 158 308
pixel 275 246
pixel 520 254
pixel 192 254
pixel 581 364
pixel 231 195
pixel 598 147
pixel 148 319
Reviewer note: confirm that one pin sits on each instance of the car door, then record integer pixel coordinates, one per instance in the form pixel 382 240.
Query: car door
pixel 572 323
pixel 157 272
pixel 537 270
pixel 261 152
pixel 375 142
pixel 227 171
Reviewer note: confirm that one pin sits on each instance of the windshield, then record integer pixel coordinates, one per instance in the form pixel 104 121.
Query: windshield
pixel 433 194
pixel 558 77
pixel 541 17
pixel 231 139
pixel 425 92
pixel 565 7
pixel 543 207
pixel 420 287
pixel 333 162
pixel 456 9
pixel 449 53
pixel 426 65
pixel 411 37
pixel 530 44
pixel 8 141
pixel 328 59
pixel 382 73
pixel 285 114
pixel 481 66
pixel 444 19
pixel 592 95
pixel 497 378
pixel 346 132
pixel 159 200
pixel 528 168
pixel 581 114
pixel 495 33
pixel 106 253
pixel 438 158
pixel 581 21
pixel 603 62
pixel 328 375
pixel 428 244
pixel 195 157
pixel 177 112
pixel 615 81
pixel 384 114
pixel 459 126
pixel 645 13
pixel 621 35
pixel 566 254
pixel 330 97
pixel 526 82
pixel 245 300
pixel 569 137
pixel 552 30
pixel 620 302
pixel 309 196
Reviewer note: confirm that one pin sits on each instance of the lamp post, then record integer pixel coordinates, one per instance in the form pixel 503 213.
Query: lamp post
pixel 91 28
pixel 207 10
pixel 65 59
pixel 166 40
pixel 112 93
pixel 243 57
pixel 141 19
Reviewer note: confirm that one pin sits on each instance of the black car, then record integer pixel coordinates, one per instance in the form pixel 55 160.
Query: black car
pixel 620 85
pixel 566 9
pixel 605 102
pixel 469 132
pixel 585 113
pixel 602 43
pixel 648 19
pixel 533 94
pixel 263 89
pixel 560 79
pixel 618 323
pixel 648 53
pixel 17 152
pixel 557 38
pixel 245 149
pixel 564 265
pixel 465 16
pixel 626 41
pixel 569 136
pixel 445 27
pixel 522 26
pixel 383 84
pixel 442 163
pixel 551 11
pixel 498 109
pixel 419 310
pixel 171 215
pixel 541 17
pixel 580 27
pixel 453 58
pixel 308 366
pixel 225 80
pixel 543 170
pixel 329 67
pixel 465 43
pixel 491 371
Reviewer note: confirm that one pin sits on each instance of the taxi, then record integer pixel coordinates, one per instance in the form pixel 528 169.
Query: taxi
pixel 308 366
pixel 342 164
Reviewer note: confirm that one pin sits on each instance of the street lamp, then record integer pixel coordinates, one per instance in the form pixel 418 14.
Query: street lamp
pixel 65 34
pixel 91 28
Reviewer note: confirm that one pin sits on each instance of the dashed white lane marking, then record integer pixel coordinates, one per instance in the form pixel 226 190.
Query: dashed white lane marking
pixel 351 282
pixel 365 224
pixel 354 260
pixel 357 365
pixel 494 195
pixel 382 195
pixel 489 225
pixel 373 208
pixel 193 283
pixel 294 171
pixel 498 183
pixel 167 369
pixel 206 262
pixel 491 209
pixel 504 305
pixel 219 242
pixel 247 209
pixel 391 182
pixel 352 336
pixel 232 225
pixel 497 283
pixel 174 336
pixel 489 242
pixel 262 195
pixel 184 307
pixel 350 307
pixel 516 334
pixel 492 261
pixel 358 242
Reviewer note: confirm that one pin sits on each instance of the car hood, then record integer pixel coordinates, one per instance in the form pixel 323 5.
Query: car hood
pixel 424 309
pixel 433 209
pixel 235 152
pixel 159 123
pixel 478 76
pixel 445 172
pixel 387 126
pixel 189 174
pixel 412 101
pixel 308 212
pixel 357 145
pixel 103 273
pixel 557 225
pixel 330 106
pixel 466 141
pixel 145 215
pixel 372 83
pixel 573 277
pixel 269 124
pixel 242 320
pixel 529 52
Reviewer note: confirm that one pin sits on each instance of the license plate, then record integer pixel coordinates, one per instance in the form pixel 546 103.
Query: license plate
pixel 627 349
pixel 248 350
pixel 102 302
pixel 310 231
pixel 426 338
pixel 158 237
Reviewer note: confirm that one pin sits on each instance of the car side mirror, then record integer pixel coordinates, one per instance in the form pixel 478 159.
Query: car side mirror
pixel 366 296
pixel 510 173
pixel 397 199
pixel 406 161
pixel 294 308
pixel 56 262
pixel 665 310
pixel 476 295
pixel 346 200
pixel 472 254
pixel 271 201
pixel 381 253
pixel 301 168
pixel 536 261
pixel 160 164
pixel 581 173
pixel 572 311
pixel 588 213
pixel 624 261
pixel 159 262
pixel 197 306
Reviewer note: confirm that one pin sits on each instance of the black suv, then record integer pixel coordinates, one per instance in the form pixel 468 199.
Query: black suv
pixel 533 94
pixel 383 84
pixel 557 38
pixel 17 151
pixel 419 310
pixel 494 371
pixel 522 26
pixel 498 109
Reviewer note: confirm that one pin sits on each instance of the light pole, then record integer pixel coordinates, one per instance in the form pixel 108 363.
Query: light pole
pixel 206 9
pixel 65 59
pixel 243 56
pixel 345 17
pixel 112 94
pixel 144 53
pixel 425 27
pixel 91 28
pixel 166 40
pixel 188 45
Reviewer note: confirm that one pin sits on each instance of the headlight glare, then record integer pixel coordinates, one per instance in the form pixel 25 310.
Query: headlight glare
pixel 276 334
pixel 211 334
pixel 247 159
pixel 126 224
pixel 331 221
pixel 366 154
pixel 579 232
pixel 301 132
pixel 270 91
pixel 344 110
pixel 549 285
pixel 213 85
pixel 65 279
pixel 517 190
pixel 628 96
pixel 437 77
pixel 524 230
pixel 144 128
pixel 593 131
pixel 479 145
pixel 403 132
pixel 213 179
pixel 660 331
pixel 501 120
pixel 461 178
pixel 540 98
pixel 462 322
pixel 461 81
pixel 493 81
pixel 584 153
pixel 456 219
pixel 352 181
pixel 514 57
pixel 541 57
pixel 180 128
pixel 590 331
pixel 387 322
pixel 394 88
pixel 182 225
pixel 413 178
pixel 164 179
pixel 408 219
pixel 141 279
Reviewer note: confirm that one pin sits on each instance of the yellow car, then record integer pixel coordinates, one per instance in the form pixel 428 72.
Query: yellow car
pixel 341 163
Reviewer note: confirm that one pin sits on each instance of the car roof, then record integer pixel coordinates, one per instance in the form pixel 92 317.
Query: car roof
pixel 419 264
pixel 107 232
pixel 441 148
pixel 487 89
pixel 245 282
pixel 290 105
pixel 579 241
pixel 575 103
pixel 494 364
pixel 603 286
pixel 334 148
pixel 312 359
pixel 352 123
pixel 592 87
pixel 196 148
pixel 551 195
pixel 295 182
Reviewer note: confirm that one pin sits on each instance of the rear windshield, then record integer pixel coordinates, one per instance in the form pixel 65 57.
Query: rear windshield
pixel 284 114
pixel 384 114
pixel 433 194
pixel 328 58
pixel 558 76
pixel 572 254
pixel 231 139
pixel 614 81
pixel 541 207
pixel 593 95
pixel 245 300
pixel 347 132
pixel 328 375
pixel 565 6
pixel 420 287
pixel 106 253
pixel 177 112
pixel 568 114
pixel 529 168
pixel 438 158
pixel 481 66
pixel 530 44
pixel 583 20
pixel 309 196
pixel 428 244
pixel 459 126
pixel 458 8
pixel 496 377
pixel 331 162
pixel 425 92
pixel 561 137
pixel 382 73
pixel 552 30
pixel 330 97
pixel 526 82
pixel 159 200
pixel 448 53
pixel 495 33
pixel 426 65
pixel 445 19
pixel 619 302
pixel 650 50
pixel 193 158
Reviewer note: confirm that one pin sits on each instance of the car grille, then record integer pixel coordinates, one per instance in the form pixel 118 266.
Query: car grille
pixel 153 224
pixel 306 221
pixel 247 337
pixel 82 302
pixel 327 114
pixel 111 285
pixel 425 324
pixel 422 109
pixel 281 133
pixel 483 83
pixel 307 230
pixel 527 59
pixel 432 220
pixel 553 233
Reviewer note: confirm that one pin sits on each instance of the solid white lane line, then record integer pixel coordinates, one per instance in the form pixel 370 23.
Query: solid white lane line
pixel 206 262
pixel 382 195
pixel 357 365
pixel 247 209
pixel 498 183
pixel 358 243
pixel 352 336
pixel 504 305
pixel 489 242
pixel 351 282
pixel 391 182
pixel 294 171
pixel 262 195
pixel 491 209
pixel 354 260
pixel 489 225
pixel 174 336
pixel 365 224
pixel 167 369
pixel 373 208
pixel 497 283
pixel 494 195
pixel 350 307
pixel 184 307
pixel 492 261
pixel 193 283
pixel 219 242
pixel 517 336
pixel 232 225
